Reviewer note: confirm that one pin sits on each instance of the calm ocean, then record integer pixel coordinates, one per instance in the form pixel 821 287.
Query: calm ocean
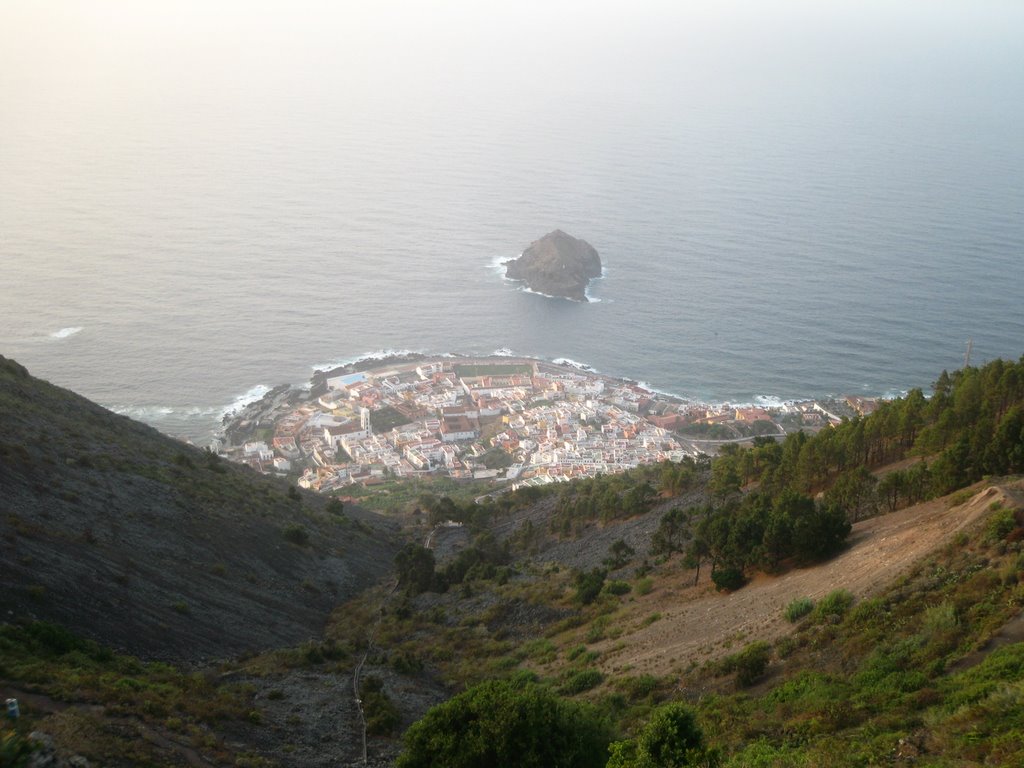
pixel 816 201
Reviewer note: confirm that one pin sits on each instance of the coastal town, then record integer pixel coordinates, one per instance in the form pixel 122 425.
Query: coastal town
pixel 513 420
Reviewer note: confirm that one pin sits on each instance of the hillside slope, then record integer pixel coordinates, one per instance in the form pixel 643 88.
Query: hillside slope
pixel 155 547
pixel 700 622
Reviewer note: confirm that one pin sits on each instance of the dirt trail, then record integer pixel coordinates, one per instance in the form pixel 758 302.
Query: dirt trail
pixel 699 623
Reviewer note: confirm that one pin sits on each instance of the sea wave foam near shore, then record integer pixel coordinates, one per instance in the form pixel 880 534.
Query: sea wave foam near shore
pixel 64 333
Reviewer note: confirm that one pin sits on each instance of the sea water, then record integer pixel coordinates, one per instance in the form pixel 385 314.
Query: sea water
pixel 196 204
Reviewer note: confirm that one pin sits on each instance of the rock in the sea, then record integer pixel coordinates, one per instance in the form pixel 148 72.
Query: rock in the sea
pixel 557 265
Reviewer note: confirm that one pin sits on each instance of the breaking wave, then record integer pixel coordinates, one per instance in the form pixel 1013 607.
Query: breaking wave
pixel 248 397
pixel 63 333
pixel 366 357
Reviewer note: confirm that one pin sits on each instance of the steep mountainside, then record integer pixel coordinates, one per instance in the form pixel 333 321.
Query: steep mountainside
pixel 153 546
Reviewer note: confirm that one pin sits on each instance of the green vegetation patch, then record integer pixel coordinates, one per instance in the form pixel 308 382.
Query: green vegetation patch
pixel 53 661
pixel 513 723
pixel 387 418
pixel 798 608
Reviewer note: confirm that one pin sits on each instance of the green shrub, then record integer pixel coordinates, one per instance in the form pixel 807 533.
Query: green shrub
pixel 940 618
pixel 296 534
pixel 728 579
pixel 671 739
pixel 764 754
pixel 617 588
pixel 785 646
pixel 407 663
pixel 513 723
pixel 541 650
pixel 382 716
pixel 575 652
pixel 15 750
pixel 637 687
pixel 749 664
pixel 581 681
pixel 597 629
pixel 588 585
pixel 798 608
pixel 643 586
pixel 1000 524
pixel 835 603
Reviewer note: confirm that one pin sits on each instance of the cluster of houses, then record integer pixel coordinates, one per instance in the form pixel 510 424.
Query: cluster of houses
pixel 542 421
pixel 443 416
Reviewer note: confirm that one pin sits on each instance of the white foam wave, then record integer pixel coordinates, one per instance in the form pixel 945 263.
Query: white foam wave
pixel 894 394
pixel 497 265
pixel 366 357
pixel 505 352
pixel 760 401
pixel 63 333
pixel 197 410
pixel 664 393
pixel 524 289
pixel 147 413
pixel 574 364
pixel 247 398
pixel 602 276
pixel 770 401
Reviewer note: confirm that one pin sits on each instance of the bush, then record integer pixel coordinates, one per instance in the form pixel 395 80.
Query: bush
pixel 407 663
pixel 617 588
pixel 15 751
pixel 588 585
pixel 296 534
pixel 728 579
pixel 637 687
pixel 671 739
pixel 541 650
pixel 750 663
pixel 382 717
pixel 644 586
pixel 1000 524
pixel 597 629
pixel 835 603
pixel 416 569
pixel 575 652
pixel 581 681
pixel 513 723
pixel 798 608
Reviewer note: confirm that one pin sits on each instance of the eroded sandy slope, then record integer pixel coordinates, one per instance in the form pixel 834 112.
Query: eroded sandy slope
pixel 697 622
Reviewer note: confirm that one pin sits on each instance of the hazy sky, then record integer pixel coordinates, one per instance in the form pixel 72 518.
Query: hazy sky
pixel 189 49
